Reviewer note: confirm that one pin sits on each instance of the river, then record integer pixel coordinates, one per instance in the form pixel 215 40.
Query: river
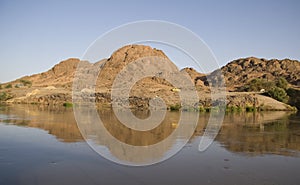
pixel 42 145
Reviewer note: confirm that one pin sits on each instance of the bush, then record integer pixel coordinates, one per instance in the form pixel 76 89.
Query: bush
pixel 201 109
pixel 294 95
pixel 175 107
pixel 233 109
pixel 254 85
pixel 26 82
pixel 4 96
pixel 276 90
pixel 250 109
pixel 68 104
pixel 282 83
pixel 258 84
pixel 8 86
pixel 278 94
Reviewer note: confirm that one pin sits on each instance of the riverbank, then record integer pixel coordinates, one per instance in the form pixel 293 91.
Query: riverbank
pixel 235 101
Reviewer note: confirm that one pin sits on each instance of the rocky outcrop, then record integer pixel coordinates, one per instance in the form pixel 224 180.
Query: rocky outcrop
pixel 198 78
pixel 126 55
pixel 239 72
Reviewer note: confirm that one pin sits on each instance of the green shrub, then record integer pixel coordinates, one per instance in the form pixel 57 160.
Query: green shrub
pixel 294 95
pixel 215 109
pixel 233 109
pixel 8 86
pixel 282 83
pixel 207 109
pixel 257 84
pixel 278 94
pixel 201 109
pixel 276 89
pixel 26 82
pixel 68 104
pixel 175 107
pixel 250 109
pixel 4 96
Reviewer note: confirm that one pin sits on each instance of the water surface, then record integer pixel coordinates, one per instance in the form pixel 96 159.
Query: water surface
pixel 42 145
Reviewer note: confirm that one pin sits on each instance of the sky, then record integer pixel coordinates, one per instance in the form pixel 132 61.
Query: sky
pixel 36 35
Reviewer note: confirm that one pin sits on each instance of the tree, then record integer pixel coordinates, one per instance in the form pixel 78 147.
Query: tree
pixel 276 90
pixel 295 97
pixel 279 94
pixel 282 83
pixel 257 84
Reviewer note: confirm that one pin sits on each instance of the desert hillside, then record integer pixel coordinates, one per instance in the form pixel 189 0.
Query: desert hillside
pixel 61 75
pixel 54 86
pixel 241 71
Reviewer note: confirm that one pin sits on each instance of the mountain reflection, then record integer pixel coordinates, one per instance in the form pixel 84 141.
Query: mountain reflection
pixel 58 121
pixel 244 133
pixel 261 133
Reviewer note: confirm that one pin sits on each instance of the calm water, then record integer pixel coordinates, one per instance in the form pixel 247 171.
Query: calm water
pixel 40 145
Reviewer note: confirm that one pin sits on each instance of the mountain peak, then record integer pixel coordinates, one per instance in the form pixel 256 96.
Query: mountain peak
pixel 65 66
pixel 122 57
pixel 131 53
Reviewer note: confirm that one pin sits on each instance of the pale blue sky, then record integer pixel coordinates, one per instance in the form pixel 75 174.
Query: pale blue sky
pixel 35 35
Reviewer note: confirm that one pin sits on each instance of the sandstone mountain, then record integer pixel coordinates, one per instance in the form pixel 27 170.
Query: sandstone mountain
pixel 55 85
pixel 126 55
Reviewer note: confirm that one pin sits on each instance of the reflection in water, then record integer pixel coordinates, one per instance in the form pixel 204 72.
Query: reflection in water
pixel 261 133
pixel 130 147
pixel 245 133
pixel 57 121
pixel 135 137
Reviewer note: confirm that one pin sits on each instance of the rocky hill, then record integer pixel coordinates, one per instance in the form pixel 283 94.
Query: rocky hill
pixel 61 75
pixel 55 85
pixel 126 55
pixel 239 72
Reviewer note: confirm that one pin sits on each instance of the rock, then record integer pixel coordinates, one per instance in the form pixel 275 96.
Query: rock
pixel 50 88
pixel 32 93
pixel 238 72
